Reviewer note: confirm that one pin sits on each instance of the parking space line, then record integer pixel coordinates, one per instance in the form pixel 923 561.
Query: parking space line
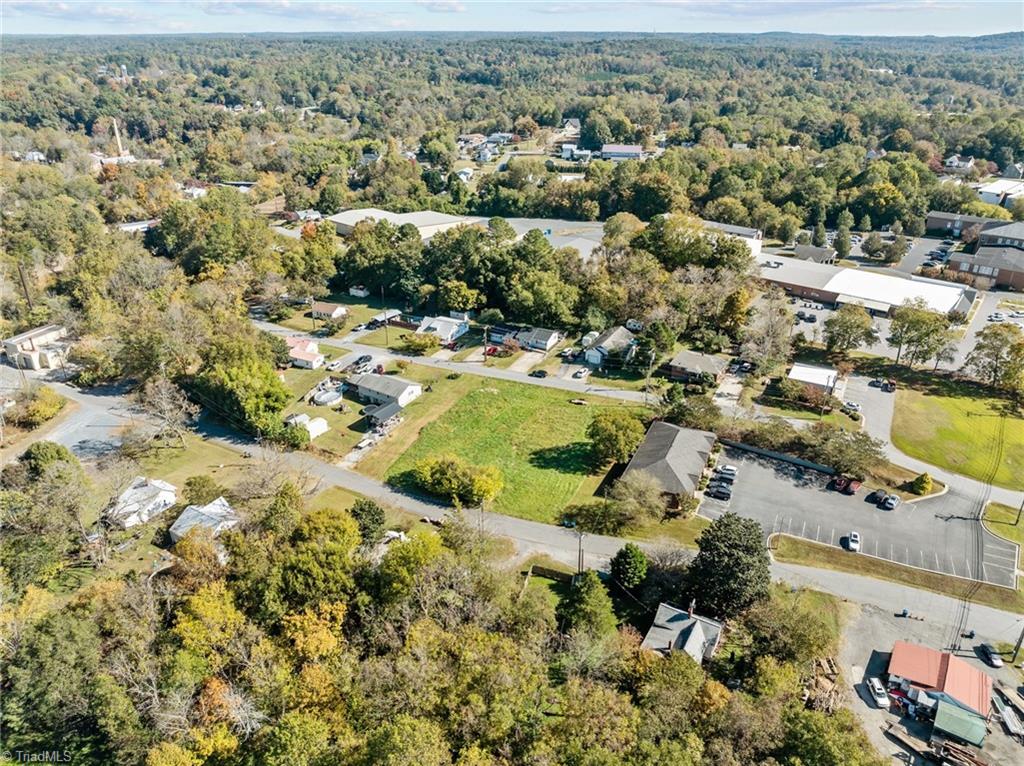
pixel 803 530
pixel 906 554
pixel 937 567
pixel 952 564
pixel 817 534
pixel 876 547
pixel 891 556
pixel 968 565
pixel 832 539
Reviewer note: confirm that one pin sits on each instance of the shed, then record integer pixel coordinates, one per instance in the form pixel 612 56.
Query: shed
pixel 953 721
pixel 217 516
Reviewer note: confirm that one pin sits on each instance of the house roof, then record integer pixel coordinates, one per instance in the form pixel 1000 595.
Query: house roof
pixel 1013 230
pixel 140 495
pixel 326 307
pixel 622 149
pixel 737 231
pixel 384 412
pixel 931 669
pixel 946 216
pixel 213 515
pixel 813 374
pixel 614 339
pixel 385 385
pixel 1002 186
pixel 536 335
pixel 675 456
pixel 305 356
pixel 36 332
pixel 294 341
pixel 675 629
pixel 694 361
pixel 1004 258
pixel 960 723
pixel 813 253
pixel 418 219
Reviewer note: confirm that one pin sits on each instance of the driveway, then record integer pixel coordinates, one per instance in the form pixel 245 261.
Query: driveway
pixel 940 534
pixel 527 361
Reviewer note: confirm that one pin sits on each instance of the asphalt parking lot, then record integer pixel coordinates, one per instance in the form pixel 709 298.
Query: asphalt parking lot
pixel 939 534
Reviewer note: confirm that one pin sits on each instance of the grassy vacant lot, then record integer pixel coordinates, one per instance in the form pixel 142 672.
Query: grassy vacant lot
pixel 359 311
pixel 796 551
pixel 533 434
pixel 175 464
pixel 960 429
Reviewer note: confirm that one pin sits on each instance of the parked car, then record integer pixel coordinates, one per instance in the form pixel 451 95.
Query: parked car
pixel 364 359
pixel 889 503
pixel 997 316
pixel 727 469
pixel 853 542
pixel 876 496
pixel 929 265
pixel 812 318
pixel 719 478
pixel 334 366
pixel 991 655
pixel 852 406
pixel 947 241
pixel 801 315
pixel 539 374
pixel 876 383
pixel 889 386
pixel 1017 314
pixel 718 493
pixel 878 694
pixel 359 328
pixel 582 372
pixel 845 484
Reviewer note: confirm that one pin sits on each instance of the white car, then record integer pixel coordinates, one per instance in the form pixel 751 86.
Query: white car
pixel 853 542
pixel 582 372
pixel 852 406
pixel 998 316
pixel 729 470
pixel 878 693
pixel 1017 314
pixel 334 366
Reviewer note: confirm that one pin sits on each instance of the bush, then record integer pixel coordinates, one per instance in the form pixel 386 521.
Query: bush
pixel 202 489
pixel 370 518
pixel 292 437
pixel 629 566
pixel 616 434
pixel 41 455
pixel 419 344
pixel 402 365
pixel 42 405
pixel 451 477
pixel 602 517
pixel 922 485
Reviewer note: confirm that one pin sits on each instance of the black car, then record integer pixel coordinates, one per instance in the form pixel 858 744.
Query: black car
pixel 723 478
pixel 364 359
pixel 812 318
pixel 539 374
pixel 719 493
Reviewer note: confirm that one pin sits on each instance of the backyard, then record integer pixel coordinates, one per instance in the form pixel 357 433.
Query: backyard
pixel 359 311
pixel 534 435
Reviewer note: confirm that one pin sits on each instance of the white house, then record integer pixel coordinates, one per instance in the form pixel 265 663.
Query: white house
pixel 384 389
pixel 314 426
pixel 568 151
pixel 958 163
pixel 622 152
pixel 217 516
pixel 465 175
pixel 304 353
pixel 538 338
pixel 309 214
pixel 445 328
pixel 485 154
pixel 358 291
pixel 328 311
pixel 144 499
pixel 39 348
pixel 613 341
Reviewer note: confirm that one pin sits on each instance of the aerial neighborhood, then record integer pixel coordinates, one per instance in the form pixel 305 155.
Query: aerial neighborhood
pixel 556 397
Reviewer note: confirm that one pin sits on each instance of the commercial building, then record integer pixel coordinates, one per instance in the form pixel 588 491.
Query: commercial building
pixel 878 293
pixel 673 455
pixel 992 267
pixel 427 222
pixel 1001 192
pixel 941 676
pixel 622 152
pixel 1009 234
pixel 752 237
pixel 824 379
pixel 38 349
pixel 955 224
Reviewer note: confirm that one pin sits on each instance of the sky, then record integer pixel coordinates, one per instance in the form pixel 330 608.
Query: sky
pixel 867 17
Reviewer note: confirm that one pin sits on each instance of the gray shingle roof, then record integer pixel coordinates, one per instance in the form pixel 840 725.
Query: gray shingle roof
pixel 613 339
pixel 385 385
pixel 694 361
pixel 1004 258
pixel 1013 230
pixel 675 630
pixel 674 456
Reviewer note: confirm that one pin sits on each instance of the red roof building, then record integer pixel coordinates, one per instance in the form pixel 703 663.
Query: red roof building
pixel 942 675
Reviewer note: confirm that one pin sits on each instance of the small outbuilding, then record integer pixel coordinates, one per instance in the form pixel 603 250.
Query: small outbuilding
pixel 962 725
pixel 217 516
pixel 314 426
pixel 824 379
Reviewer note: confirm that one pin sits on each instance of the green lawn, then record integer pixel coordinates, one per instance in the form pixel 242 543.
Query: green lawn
pixel 175 464
pixel 783 409
pixel 1002 520
pixel 959 429
pixel 359 311
pixel 533 434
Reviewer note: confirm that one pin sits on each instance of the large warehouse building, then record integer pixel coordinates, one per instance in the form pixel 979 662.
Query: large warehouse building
pixel 878 293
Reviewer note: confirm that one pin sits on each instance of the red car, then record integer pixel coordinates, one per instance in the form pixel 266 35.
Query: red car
pixel 846 485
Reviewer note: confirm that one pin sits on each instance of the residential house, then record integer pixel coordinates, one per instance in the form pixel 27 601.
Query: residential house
pixel 144 499
pixel 308 215
pixel 445 328
pixel 941 676
pixel 384 389
pixel 1014 170
pixel 539 339
pixel 38 349
pixel 622 152
pixel 387 315
pixel 875 154
pixel 571 125
pixel 568 151
pixel 613 342
pixel 957 163
pixel 328 311
pixel 992 266
pixel 1007 235
pixel 673 455
pixel 676 630
pixel 358 291
pixel 814 253
pixel 465 175
pixel 485 154
pixel 824 379
pixel 314 426
pixel 34 156
pixel 217 516
pixel 499 139
pixel 304 353
pixel 582 155
pixel 694 367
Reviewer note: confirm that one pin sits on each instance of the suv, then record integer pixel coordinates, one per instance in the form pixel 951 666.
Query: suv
pixel 853 542
pixel 364 359
pixel 718 492
pixel 991 655
pixel 889 503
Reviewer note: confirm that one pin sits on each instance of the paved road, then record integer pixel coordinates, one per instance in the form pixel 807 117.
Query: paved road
pixel 939 534
pixel 351 343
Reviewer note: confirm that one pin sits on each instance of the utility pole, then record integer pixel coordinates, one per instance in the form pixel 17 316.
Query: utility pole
pixel 24 285
pixel 579 559
pixel 1019 512
pixel 1020 640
